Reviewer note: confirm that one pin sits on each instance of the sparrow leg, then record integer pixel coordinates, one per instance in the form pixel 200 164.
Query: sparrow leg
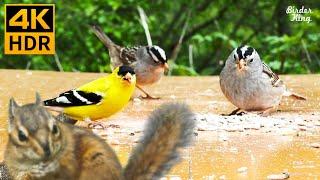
pixel 268 111
pixel 241 113
pixel 148 96
pixel 234 112
pixel 94 125
pixel 63 118
pixel 113 126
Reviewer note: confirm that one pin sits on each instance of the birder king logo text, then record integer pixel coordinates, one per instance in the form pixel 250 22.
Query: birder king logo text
pixel 29 29
pixel 302 14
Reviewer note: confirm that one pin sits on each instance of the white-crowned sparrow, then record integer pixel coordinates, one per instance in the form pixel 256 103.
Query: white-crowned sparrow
pixel 149 62
pixel 250 84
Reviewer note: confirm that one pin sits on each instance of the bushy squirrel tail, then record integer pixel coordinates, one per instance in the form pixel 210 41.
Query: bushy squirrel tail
pixel 168 129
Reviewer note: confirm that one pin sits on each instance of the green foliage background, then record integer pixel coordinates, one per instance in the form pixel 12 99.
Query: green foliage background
pixel 214 28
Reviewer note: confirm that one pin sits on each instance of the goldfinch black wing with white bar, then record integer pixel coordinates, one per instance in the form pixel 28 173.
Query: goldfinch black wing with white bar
pixel 275 80
pixel 74 98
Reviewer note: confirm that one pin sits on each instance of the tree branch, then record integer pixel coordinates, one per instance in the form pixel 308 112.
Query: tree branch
pixel 143 21
pixel 174 20
pixel 177 47
pixel 243 16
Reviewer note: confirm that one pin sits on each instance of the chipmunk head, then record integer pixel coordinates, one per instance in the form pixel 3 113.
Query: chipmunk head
pixel 34 133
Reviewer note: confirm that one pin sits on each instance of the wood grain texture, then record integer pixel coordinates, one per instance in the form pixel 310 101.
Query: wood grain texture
pixel 209 157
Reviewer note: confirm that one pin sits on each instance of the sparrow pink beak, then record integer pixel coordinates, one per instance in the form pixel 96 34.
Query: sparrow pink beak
pixel 241 64
pixel 128 77
pixel 166 66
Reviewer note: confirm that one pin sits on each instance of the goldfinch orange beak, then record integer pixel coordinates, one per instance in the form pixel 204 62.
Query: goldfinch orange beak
pixel 166 66
pixel 241 64
pixel 128 77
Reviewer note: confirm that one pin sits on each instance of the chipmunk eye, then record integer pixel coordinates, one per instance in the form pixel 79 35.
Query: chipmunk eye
pixel 22 136
pixel 55 129
pixel 251 60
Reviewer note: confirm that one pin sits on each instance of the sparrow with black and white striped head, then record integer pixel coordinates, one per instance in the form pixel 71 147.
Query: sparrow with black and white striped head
pixel 97 99
pixel 149 62
pixel 248 83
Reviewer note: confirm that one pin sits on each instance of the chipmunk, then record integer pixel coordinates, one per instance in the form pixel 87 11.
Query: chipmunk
pixel 41 147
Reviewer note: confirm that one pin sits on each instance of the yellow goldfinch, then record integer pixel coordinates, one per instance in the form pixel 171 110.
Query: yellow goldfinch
pixel 97 99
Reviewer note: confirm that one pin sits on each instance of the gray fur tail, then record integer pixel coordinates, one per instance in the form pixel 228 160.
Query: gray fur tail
pixel 4 172
pixel 102 36
pixel 168 129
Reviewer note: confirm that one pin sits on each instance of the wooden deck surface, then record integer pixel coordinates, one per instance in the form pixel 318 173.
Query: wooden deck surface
pixel 217 152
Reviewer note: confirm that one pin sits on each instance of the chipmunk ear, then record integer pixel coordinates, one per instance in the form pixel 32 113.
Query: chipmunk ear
pixel 38 99
pixel 12 111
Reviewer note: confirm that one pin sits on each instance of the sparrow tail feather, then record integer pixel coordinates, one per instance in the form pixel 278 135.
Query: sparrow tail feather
pixel 102 36
pixel 294 95
pixel 297 97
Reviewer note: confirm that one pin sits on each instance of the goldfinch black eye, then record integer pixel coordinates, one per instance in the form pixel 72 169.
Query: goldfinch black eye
pixel 55 129
pixel 22 136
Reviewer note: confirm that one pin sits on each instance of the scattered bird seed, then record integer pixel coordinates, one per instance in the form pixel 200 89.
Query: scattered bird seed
pixel 284 175
pixel 113 126
pixel 137 140
pixel 315 145
pixel 242 170
pixel 286 126
pixel 114 141
pixel 137 100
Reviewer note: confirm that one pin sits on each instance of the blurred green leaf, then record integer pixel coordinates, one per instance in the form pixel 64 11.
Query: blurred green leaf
pixel 214 29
